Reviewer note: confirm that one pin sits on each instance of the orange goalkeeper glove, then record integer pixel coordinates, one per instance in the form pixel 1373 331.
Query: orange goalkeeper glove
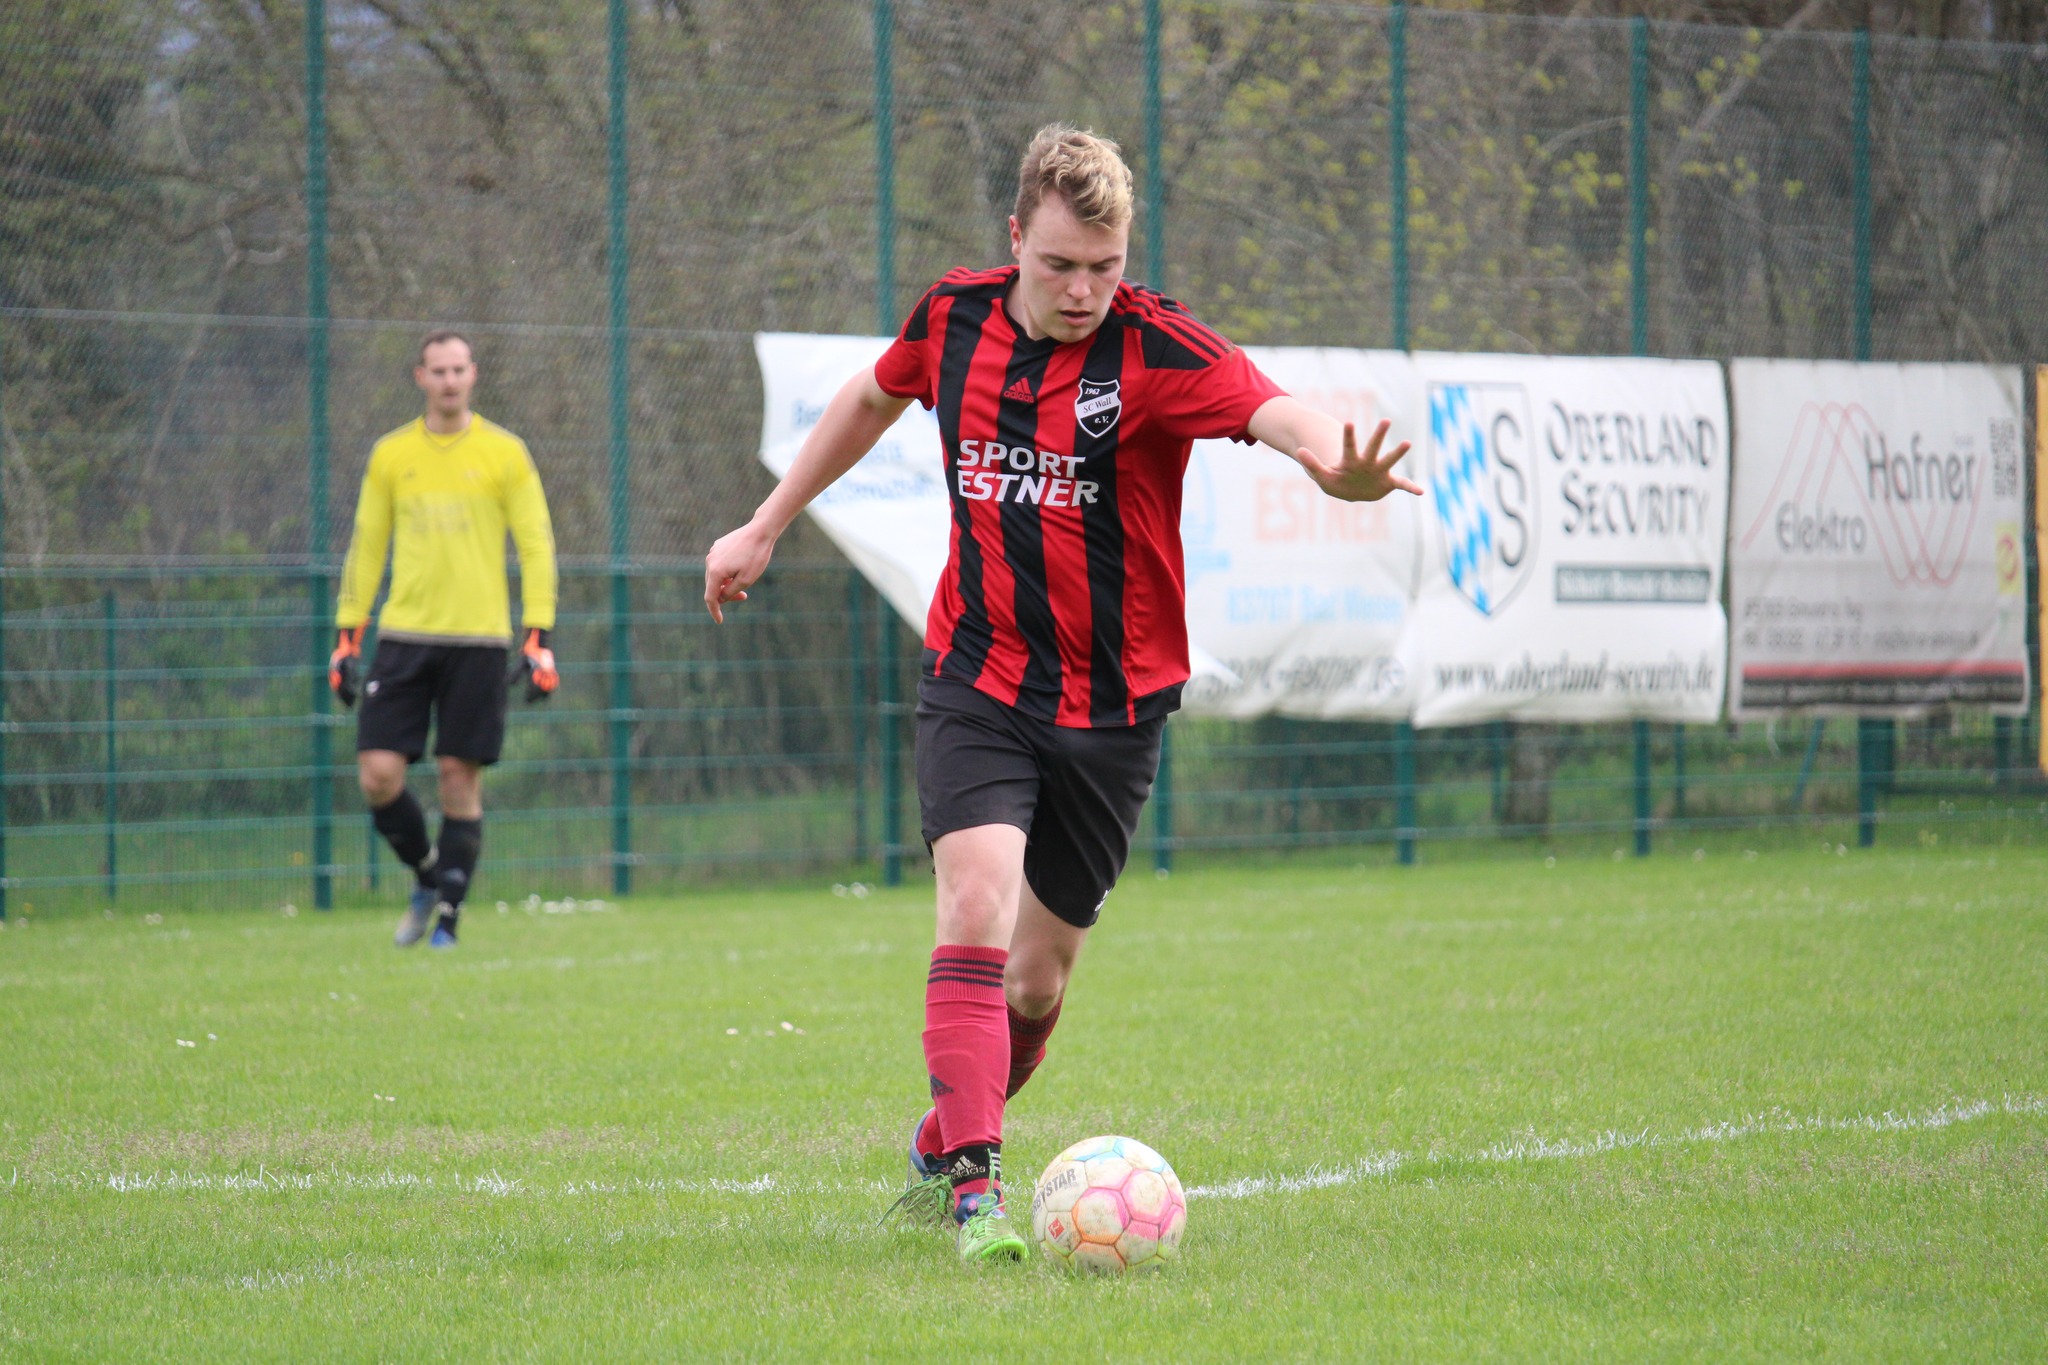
pixel 345 665
pixel 536 666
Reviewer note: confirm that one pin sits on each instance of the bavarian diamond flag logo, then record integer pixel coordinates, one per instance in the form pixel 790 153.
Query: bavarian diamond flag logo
pixel 1484 489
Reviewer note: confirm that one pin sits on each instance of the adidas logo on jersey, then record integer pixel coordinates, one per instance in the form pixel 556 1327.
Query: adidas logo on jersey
pixel 1020 392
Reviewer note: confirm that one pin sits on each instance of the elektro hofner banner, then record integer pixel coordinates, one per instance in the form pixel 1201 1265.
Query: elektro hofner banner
pixel 1876 564
pixel 1577 516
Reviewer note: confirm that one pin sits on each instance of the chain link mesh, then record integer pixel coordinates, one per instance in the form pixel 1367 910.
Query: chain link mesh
pixel 155 351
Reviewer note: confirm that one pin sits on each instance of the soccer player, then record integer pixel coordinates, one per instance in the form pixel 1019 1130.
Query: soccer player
pixel 1057 641
pixel 441 492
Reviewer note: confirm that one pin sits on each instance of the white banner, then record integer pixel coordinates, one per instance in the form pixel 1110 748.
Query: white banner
pixel 1306 598
pixel 888 514
pixel 1577 517
pixel 1875 554
pixel 1303 599
pixel 1566 564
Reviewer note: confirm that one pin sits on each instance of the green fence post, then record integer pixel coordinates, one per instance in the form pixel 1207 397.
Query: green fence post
pixel 1155 274
pixel 1639 186
pixel 1404 794
pixel 1639 315
pixel 621 462
pixel 1162 805
pixel 1642 823
pixel 3 654
pixel 1813 742
pixel 1155 169
pixel 3 738
pixel 373 842
pixel 1397 159
pixel 1678 772
pixel 1497 754
pixel 321 611
pixel 1868 761
pixel 2001 749
pixel 319 631
pixel 622 733
pixel 892 762
pixel 2030 570
pixel 884 21
pixel 112 656
pixel 1869 736
pixel 885 169
pixel 857 699
pixel 1860 188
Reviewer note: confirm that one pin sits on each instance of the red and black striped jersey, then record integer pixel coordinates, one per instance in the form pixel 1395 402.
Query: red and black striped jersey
pixel 1063 594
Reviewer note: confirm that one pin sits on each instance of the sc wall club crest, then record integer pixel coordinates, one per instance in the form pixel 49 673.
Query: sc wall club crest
pixel 1483 487
pixel 1098 405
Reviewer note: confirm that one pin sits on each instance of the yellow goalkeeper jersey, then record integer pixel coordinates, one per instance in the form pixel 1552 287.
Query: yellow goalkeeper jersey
pixel 442 506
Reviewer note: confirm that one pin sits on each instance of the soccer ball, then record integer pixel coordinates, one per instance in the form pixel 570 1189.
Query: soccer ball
pixel 1108 1205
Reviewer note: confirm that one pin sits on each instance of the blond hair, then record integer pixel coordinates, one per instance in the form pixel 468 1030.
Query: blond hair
pixel 1086 171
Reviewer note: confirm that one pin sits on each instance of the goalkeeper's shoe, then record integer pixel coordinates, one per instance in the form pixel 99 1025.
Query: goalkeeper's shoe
pixel 419 914
pixel 444 928
pixel 985 1231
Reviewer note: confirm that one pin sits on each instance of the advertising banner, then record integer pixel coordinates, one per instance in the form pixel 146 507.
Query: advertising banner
pixel 1876 560
pixel 1303 597
pixel 1304 600
pixel 1576 525
pixel 888 514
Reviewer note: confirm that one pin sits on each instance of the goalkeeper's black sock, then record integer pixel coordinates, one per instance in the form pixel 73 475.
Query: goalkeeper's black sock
pixel 462 843
pixel 404 826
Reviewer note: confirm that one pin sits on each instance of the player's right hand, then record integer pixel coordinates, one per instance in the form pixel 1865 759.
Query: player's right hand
pixel 732 566
pixel 345 666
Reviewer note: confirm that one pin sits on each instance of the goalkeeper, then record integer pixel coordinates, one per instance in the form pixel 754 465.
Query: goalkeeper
pixel 440 494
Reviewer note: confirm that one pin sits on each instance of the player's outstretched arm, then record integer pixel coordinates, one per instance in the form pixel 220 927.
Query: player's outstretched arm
pixel 1328 451
pixel 853 421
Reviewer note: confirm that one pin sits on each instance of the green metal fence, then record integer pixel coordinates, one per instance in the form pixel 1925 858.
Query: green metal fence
pixel 222 231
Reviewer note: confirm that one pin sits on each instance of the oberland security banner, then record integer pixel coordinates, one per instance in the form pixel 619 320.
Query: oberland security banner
pixel 1876 560
pixel 1576 522
pixel 1304 600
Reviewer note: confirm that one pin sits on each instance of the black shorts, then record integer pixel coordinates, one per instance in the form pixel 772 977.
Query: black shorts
pixel 461 687
pixel 1075 793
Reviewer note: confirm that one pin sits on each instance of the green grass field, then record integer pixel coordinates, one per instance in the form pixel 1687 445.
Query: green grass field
pixel 1793 1105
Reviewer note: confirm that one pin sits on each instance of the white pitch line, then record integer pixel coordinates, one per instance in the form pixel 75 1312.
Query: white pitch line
pixel 1549 1149
pixel 495 1185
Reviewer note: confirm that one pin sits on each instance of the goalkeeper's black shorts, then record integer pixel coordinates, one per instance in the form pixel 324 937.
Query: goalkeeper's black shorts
pixel 458 690
pixel 1076 793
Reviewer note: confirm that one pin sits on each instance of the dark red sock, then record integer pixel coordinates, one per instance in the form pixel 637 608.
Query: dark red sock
pixel 1027 1045
pixel 967 1047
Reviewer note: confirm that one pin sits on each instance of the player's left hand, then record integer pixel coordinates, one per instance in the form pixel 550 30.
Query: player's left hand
pixel 535 666
pixel 1359 475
